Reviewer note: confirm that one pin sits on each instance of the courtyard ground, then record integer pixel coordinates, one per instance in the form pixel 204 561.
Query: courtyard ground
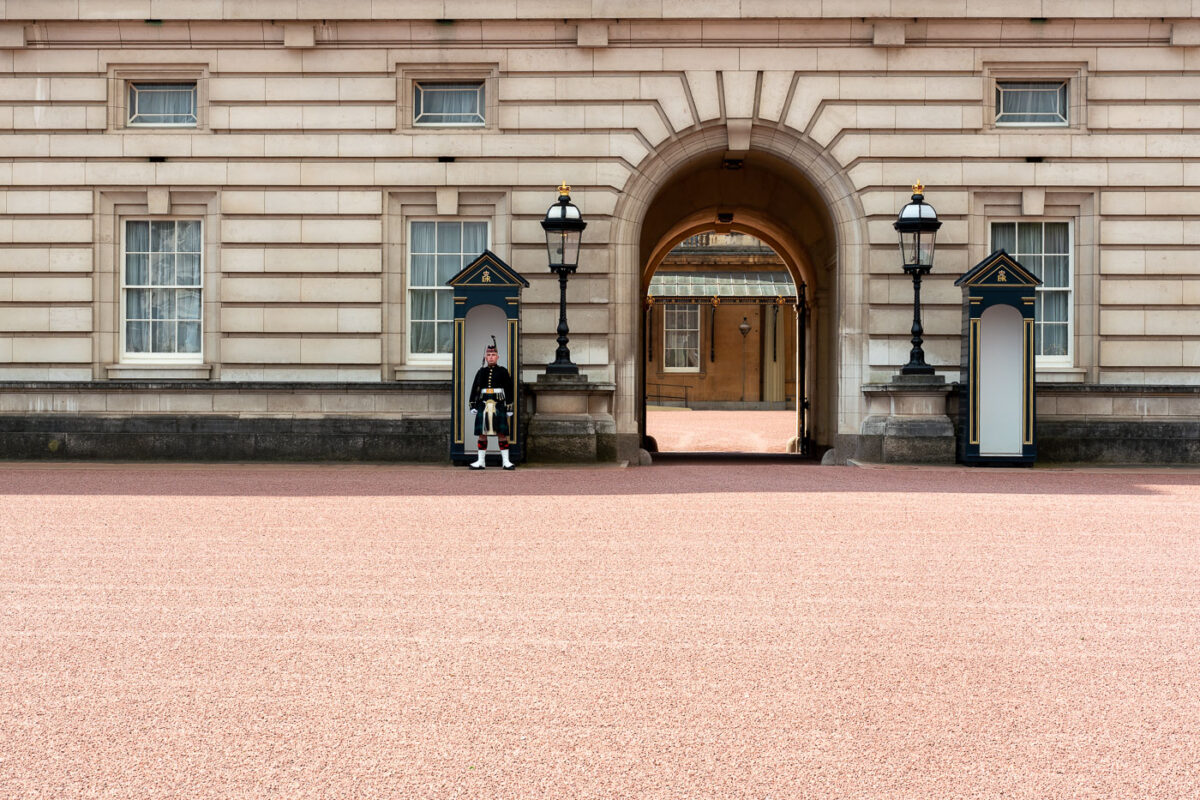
pixel 682 430
pixel 683 631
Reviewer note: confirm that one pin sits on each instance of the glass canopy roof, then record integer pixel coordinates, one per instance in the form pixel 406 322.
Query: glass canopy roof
pixel 722 284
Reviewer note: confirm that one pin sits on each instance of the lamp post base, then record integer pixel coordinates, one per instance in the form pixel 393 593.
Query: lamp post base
pixel 562 368
pixel 907 422
pixel 572 421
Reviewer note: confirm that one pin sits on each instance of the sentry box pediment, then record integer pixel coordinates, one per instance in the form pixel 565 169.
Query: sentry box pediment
pixel 998 271
pixel 488 271
pixel 999 407
pixel 487 303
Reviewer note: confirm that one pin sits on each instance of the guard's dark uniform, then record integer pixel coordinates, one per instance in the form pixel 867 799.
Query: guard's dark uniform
pixel 492 383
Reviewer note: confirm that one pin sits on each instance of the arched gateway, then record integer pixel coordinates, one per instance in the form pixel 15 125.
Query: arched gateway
pixel 786 191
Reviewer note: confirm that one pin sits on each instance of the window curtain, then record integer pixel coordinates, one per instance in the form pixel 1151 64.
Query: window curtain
pixel 681 340
pixel 1055 296
pixel 1045 250
pixel 438 251
pixel 162 103
pixel 450 103
pixel 163 295
pixel 1031 102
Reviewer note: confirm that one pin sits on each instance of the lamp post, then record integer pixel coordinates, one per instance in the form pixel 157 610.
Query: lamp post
pixel 917 227
pixel 744 328
pixel 564 228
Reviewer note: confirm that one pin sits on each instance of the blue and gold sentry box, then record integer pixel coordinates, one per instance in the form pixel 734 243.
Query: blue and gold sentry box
pixel 487 303
pixel 999 408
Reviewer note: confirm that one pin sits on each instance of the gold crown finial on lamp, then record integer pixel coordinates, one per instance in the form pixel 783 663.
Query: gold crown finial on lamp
pixel 564 190
pixel 918 188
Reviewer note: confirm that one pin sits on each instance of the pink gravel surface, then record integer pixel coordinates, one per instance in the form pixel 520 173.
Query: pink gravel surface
pixel 685 631
pixel 685 431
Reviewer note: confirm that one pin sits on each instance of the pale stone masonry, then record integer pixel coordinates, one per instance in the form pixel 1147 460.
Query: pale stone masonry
pixel 807 120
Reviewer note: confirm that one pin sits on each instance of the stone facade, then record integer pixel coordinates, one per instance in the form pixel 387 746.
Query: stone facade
pixel 800 122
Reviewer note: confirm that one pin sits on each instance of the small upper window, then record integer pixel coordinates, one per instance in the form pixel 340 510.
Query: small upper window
pixel 162 104
pixel 448 104
pixel 1031 103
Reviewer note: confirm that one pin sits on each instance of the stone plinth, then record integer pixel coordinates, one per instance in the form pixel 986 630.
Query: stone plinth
pixel 907 422
pixel 572 420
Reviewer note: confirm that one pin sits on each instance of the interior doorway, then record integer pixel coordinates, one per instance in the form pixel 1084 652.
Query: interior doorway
pixel 723 328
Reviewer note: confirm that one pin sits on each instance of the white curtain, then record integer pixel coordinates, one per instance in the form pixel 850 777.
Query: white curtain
pixel 1031 103
pixel 437 252
pixel 681 339
pixel 449 103
pixel 1044 248
pixel 162 103
pixel 161 255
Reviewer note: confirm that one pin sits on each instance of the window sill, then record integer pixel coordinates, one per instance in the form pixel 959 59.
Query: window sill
pixel 169 130
pixel 163 372
pixel 1060 374
pixel 1037 130
pixel 424 372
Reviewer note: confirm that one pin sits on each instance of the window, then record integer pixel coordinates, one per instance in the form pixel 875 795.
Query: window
pixel 161 290
pixel 438 250
pixel 681 337
pixel 162 104
pixel 1031 103
pixel 1044 248
pixel 448 104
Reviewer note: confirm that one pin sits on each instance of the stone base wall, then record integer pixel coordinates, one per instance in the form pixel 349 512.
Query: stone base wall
pixel 1113 424
pixel 407 421
pixel 223 438
pixel 1106 424
pixel 1119 442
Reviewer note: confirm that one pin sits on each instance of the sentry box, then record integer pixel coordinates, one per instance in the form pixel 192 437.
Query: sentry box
pixel 998 410
pixel 487 303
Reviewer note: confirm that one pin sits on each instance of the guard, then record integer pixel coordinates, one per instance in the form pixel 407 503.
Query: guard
pixel 489 399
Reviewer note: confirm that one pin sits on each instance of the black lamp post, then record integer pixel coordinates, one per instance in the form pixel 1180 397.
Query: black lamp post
pixel 564 229
pixel 917 226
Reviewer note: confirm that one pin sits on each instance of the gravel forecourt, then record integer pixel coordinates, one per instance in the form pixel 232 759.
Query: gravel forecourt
pixel 737 630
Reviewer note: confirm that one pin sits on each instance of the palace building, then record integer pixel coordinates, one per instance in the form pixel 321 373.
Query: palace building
pixel 226 226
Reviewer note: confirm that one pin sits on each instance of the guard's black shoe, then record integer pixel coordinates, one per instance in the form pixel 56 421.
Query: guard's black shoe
pixel 510 466
pixel 475 466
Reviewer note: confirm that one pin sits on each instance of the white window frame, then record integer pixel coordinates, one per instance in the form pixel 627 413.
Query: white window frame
pixel 1062 90
pixel 1073 74
pixel 441 359
pixel 122 76
pixel 1042 361
pixel 408 75
pixel 668 331
pixel 158 358
pixel 132 86
pixel 421 87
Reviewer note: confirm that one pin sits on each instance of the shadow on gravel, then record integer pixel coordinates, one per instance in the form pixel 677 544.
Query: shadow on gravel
pixel 682 474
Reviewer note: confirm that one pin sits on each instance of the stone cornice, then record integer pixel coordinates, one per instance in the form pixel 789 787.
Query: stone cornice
pixel 578 10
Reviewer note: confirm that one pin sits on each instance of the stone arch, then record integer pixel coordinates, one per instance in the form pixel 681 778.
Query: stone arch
pixel 798 199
